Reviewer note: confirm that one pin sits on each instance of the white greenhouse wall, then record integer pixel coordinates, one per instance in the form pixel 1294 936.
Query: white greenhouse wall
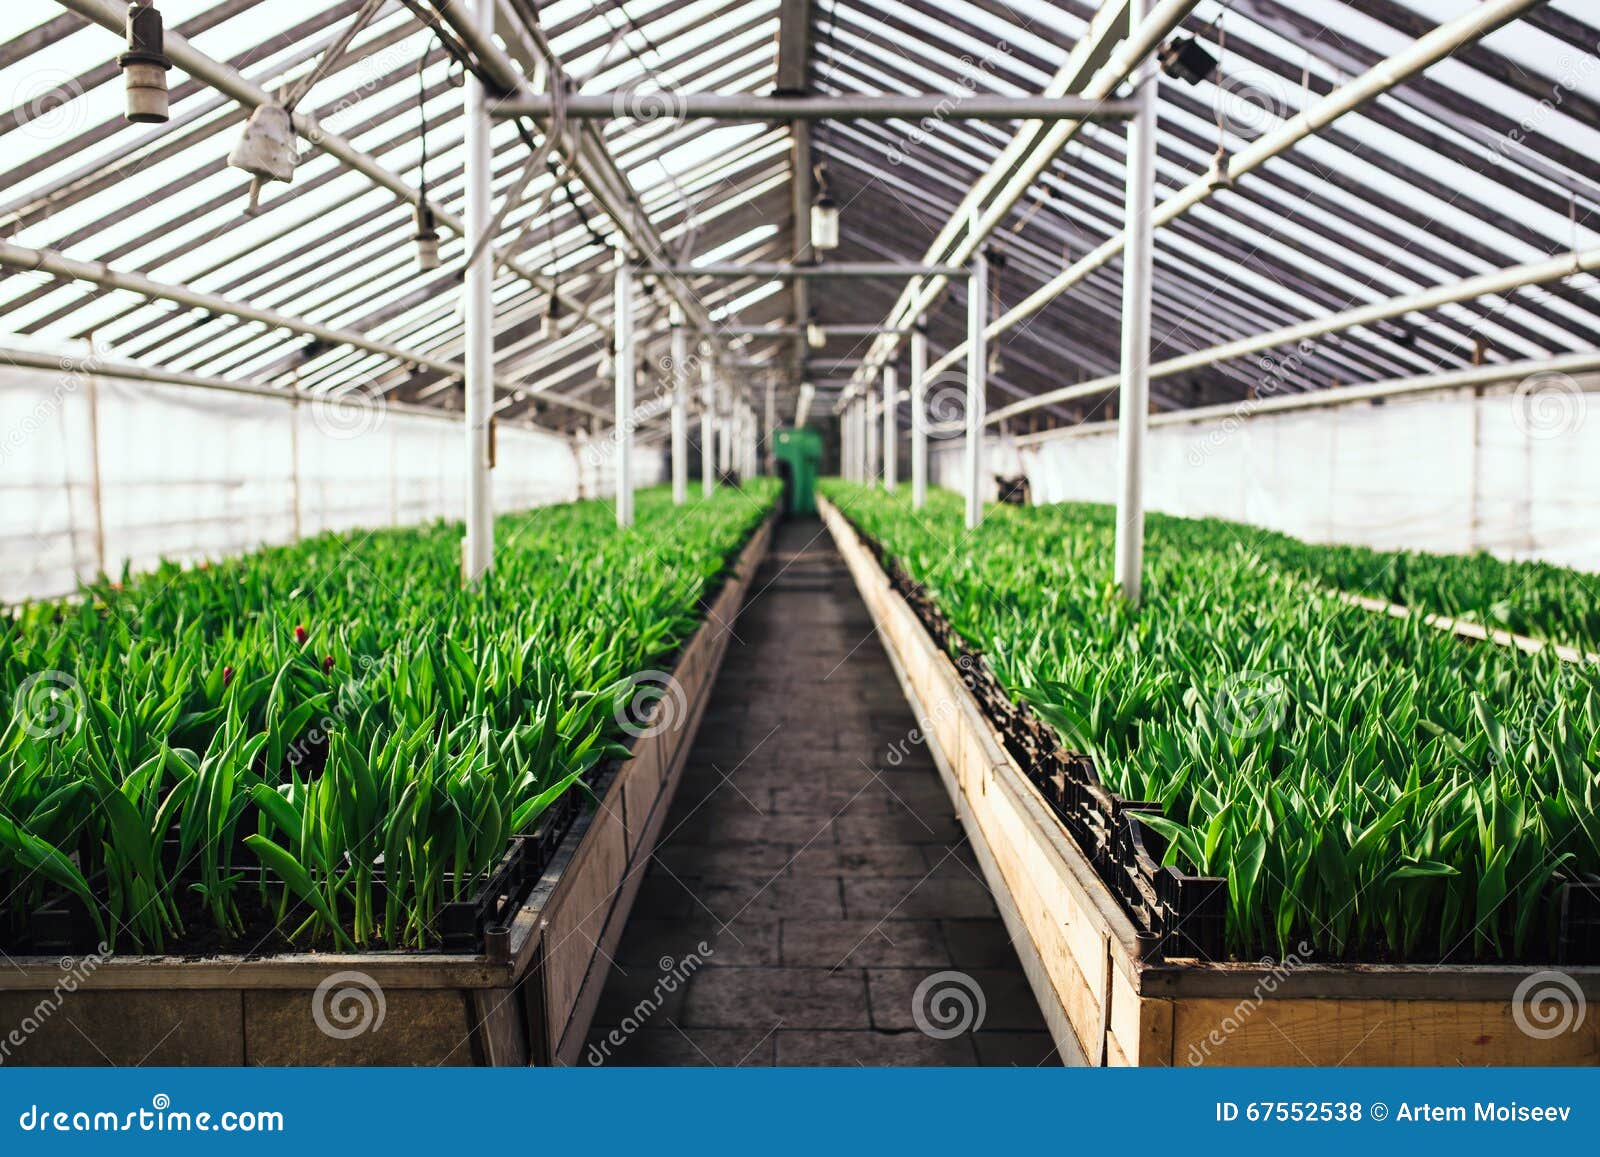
pixel 186 474
pixel 1442 472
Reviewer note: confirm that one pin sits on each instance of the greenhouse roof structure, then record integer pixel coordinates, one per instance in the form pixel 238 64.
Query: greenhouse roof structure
pixel 1386 189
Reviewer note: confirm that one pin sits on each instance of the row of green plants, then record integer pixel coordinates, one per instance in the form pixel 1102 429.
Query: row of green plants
pixel 1537 599
pixel 1371 785
pixel 333 738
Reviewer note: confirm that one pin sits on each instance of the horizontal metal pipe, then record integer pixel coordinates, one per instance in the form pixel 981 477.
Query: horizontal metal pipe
pixel 1476 376
pixel 112 15
pixel 1489 284
pixel 668 105
pixel 1383 76
pixel 595 166
pixel 99 367
pixel 1027 156
pixel 797 330
pixel 98 273
pixel 785 271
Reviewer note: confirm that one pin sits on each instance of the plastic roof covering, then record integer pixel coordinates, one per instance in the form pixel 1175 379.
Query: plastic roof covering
pixel 1486 160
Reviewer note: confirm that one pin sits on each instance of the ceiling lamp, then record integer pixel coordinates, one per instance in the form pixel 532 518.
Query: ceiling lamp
pixel 1183 58
pixel 266 150
pixel 824 215
pixel 816 336
pixel 426 237
pixel 608 369
pixel 802 407
pixel 552 322
pixel 144 67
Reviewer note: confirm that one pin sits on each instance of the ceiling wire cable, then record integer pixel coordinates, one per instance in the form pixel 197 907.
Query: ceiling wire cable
pixel 332 55
pixel 422 115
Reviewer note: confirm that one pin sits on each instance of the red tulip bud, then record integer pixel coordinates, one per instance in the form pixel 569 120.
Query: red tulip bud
pixel 227 676
pixel 300 635
pixel 327 664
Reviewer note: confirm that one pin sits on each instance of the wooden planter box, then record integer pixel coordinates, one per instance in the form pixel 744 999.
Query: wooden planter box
pixel 530 1003
pixel 1107 1006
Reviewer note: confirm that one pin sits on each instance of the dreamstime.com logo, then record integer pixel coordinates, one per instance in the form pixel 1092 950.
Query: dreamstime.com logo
pixel 1277 972
pixel 655 103
pixel 915 133
pixel 1251 102
pixel 674 975
pixel 650 703
pixel 349 413
pixel 1548 1004
pixel 47 105
pixel 48 704
pixel 1547 406
pixel 348 1004
pixel 603 449
pixel 75 971
pixel 944 403
pixel 947 1004
pixel 158 1117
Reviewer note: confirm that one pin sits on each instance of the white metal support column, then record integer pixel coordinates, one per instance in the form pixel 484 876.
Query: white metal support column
pixel 625 365
pixel 847 442
pixel 919 417
pixel 869 433
pixel 708 428
pixel 680 409
pixel 863 450
pixel 1133 409
pixel 977 382
pixel 477 548
pixel 724 408
pixel 891 431
pixel 847 435
pixel 769 441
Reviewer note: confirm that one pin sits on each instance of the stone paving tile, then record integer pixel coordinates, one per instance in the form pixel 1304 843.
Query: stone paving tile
pixel 721 827
pixel 660 944
pixel 807 898
pixel 679 1047
pixel 861 943
pixel 1008 1001
pixel 637 992
pixel 897 826
pixel 1027 1049
pixel 858 860
pixel 777 997
pixel 917 898
pixel 712 860
pixel 978 943
pixel 845 1049
pixel 810 848
pixel 952 859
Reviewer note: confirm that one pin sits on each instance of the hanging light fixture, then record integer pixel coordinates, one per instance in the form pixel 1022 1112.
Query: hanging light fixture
pixel 144 66
pixel 816 336
pixel 997 267
pixel 426 237
pixel 1183 58
pixel 266 150
pixel 552 322
pixel 824 215
pixel 608 369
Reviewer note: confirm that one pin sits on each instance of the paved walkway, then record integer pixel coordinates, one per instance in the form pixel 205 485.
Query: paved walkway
pixel 815 854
